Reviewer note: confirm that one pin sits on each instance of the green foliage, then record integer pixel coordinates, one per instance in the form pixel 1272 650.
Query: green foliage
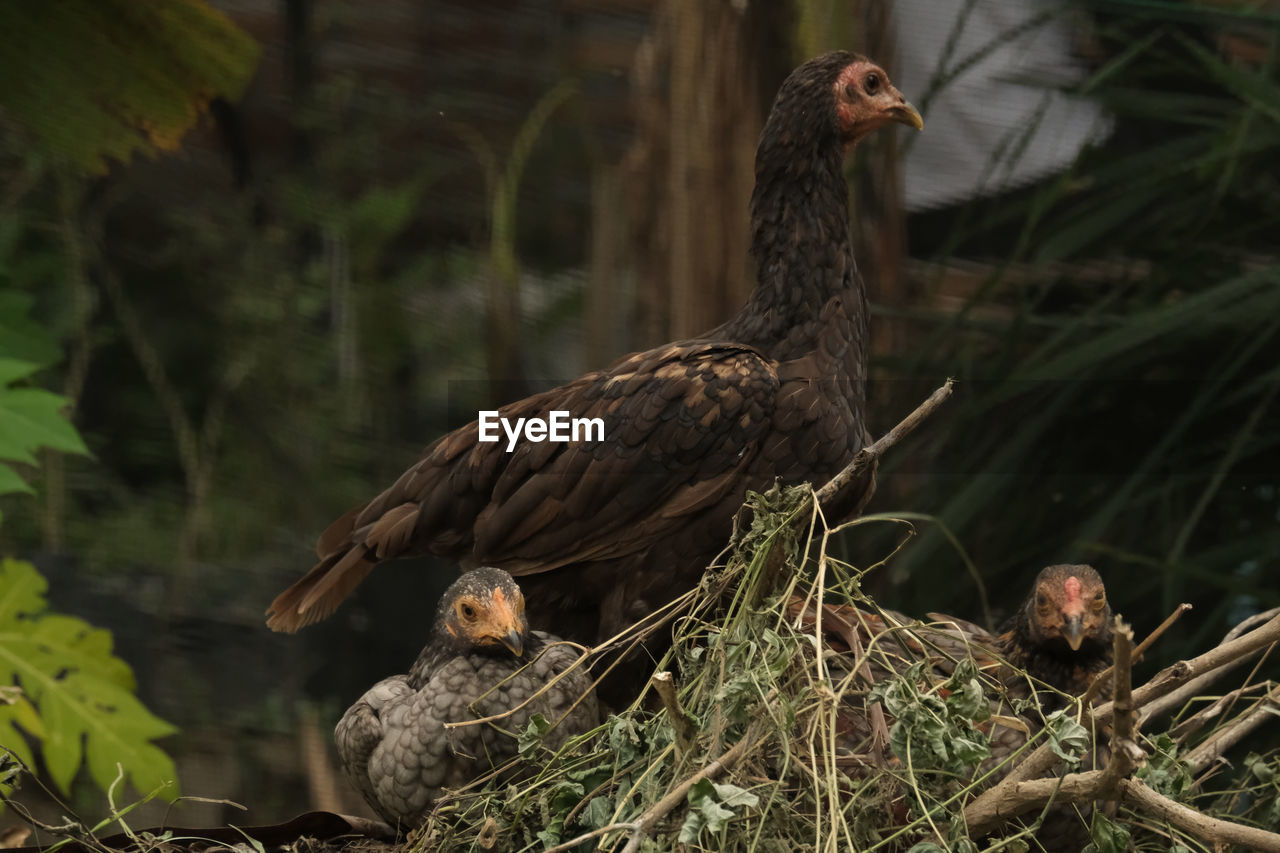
pixel 77 699
pixel 103 78
pixel 1254 794
pixel 1107 836
pixel 530 740
pixel 30 418
pixel 1163 772
pixel 711 807
pixel 933 726
pixel 1067 737
pixel 751 683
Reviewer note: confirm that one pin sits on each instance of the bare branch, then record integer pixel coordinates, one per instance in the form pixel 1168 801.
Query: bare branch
pixel 986 813
pixel 867 456
pixel 1248 624
pixel 685 732
pixel 1229 735
pixel 1218 833
pixel 1158 694
pixel 1009 799
pixel 1125 752
pixel 1214 710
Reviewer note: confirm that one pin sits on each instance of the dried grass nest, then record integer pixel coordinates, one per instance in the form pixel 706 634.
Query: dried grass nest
pixel 744 753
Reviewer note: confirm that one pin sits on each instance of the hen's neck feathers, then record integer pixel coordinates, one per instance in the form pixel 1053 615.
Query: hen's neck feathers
pixel 800 238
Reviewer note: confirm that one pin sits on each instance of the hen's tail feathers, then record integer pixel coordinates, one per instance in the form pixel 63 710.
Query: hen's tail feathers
pixel 319 592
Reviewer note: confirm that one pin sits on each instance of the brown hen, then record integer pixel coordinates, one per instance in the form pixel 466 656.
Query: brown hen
pixel 601 532
pixel 1050 651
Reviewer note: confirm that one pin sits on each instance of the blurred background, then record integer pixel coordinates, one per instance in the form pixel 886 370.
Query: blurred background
pixel 396 213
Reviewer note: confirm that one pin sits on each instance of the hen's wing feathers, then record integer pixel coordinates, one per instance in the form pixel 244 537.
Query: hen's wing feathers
pixel 686 427
pixel 699 409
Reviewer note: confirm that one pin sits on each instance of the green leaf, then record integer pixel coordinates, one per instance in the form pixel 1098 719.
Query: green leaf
pixel 127 76
pixel 930 732
pixel 17 717
pixel 711 806
pixel 22 338
pixel 705 812
pixel 1163 772
pixel 530 740
pixel 12 369
pixel 1067 738
pixel 598 813
pixel 735 797
pixel 624 739
pixel 967 698
pixel 82 693
pixel 1108 836
pixel 30 418
pixel 1258 766
pixel 11 482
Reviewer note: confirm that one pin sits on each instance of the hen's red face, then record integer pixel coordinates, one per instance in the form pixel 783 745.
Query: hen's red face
pixel 866 101
pixel 1071 603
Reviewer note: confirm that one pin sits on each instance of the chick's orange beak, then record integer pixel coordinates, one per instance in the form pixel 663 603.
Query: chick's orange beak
pixel 506 625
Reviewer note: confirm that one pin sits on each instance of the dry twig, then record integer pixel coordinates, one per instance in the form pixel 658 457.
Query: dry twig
pixel 1230 734
pixel 1218 833
pixel 685 732
pixel 867 456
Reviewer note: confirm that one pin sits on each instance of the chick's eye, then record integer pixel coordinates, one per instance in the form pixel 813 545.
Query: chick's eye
pixel 871 83
pixel 1099 600
pixel 1042 601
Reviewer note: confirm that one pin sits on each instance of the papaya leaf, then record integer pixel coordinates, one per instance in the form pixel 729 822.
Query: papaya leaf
pixel 77 701
pixel 17 715
pixel 30 418
pixel 121 76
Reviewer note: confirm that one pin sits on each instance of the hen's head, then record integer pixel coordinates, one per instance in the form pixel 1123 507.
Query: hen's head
pixel 840 95
pixel 483 611
pixel 1068 608
pixel 867 101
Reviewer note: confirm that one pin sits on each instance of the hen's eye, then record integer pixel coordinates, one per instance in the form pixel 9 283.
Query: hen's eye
pixel 468 612
pixel 1099 600
pixel 871 83
pixel 1042 601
